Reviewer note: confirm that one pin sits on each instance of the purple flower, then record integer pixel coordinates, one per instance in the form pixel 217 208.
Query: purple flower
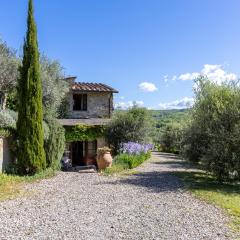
pixel 134 148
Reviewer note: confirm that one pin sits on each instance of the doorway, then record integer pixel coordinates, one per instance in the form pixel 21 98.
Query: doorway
pixel 83 153
pixel 78 153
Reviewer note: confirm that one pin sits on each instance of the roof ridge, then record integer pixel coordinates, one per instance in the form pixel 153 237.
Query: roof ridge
pixel 91 86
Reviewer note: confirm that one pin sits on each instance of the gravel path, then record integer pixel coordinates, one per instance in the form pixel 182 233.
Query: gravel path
pixel 151 204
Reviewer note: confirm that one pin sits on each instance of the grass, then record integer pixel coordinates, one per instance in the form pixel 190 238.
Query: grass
pixel 124 163
pixel 11 186
pixel 225 196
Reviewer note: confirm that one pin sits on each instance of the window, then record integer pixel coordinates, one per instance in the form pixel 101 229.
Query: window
pixel 80 102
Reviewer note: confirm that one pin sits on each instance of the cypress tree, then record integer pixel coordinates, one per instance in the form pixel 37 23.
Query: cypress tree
pixel 31 155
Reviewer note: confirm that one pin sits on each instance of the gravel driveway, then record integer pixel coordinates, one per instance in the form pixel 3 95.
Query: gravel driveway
pixel 151 204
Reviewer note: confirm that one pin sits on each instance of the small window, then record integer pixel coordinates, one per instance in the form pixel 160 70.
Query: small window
pixel 80 102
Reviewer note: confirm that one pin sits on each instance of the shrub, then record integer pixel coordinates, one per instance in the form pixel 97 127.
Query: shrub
pixel 46 131
pixel 194 143
pixel 133 125
pixel 55 144
pixel 8 119
pixel 171 137
pixel 133 154
pixel 130 161
pixel 5 133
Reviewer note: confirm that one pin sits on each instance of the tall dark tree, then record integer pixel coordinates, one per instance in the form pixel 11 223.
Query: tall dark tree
pixel 31 155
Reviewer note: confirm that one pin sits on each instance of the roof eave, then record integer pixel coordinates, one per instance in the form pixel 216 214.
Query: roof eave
pixel 92 91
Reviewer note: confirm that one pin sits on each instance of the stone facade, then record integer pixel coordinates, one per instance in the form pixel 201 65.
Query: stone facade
pixel 99 105
pixel 101 142
pixel 5 154
pixel 97 110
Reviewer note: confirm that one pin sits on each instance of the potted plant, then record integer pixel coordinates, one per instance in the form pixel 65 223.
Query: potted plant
pixel 104 158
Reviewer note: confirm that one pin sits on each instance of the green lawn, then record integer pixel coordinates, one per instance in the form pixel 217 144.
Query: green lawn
pixel 11 186
pixel 225 196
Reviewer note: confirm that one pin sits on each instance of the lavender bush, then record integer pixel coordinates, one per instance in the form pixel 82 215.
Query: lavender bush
pixel 134 148
pixel 131 155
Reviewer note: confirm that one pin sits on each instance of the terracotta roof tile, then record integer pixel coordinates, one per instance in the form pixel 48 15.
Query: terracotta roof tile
pixel 92 87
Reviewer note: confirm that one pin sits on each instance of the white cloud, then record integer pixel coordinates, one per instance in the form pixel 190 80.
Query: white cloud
pixel 174 78
pixel 147 87
pixel 189 76
pixel 122 97
pixel 139 103
pixel 177 104
pixel 215 73
pixel 165 78
pixel 128 104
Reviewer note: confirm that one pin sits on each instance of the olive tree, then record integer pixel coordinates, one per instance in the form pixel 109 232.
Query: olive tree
pixel 9 64
pixel 133 125
pixel 55 87
pixel 213 136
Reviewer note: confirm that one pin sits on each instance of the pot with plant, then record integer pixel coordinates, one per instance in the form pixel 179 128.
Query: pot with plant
pixel 104 158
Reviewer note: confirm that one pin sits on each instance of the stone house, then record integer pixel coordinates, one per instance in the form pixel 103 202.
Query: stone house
pixel 89 104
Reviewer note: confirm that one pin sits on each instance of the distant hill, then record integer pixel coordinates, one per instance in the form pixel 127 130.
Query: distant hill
pixel 164 117
pixel 168 113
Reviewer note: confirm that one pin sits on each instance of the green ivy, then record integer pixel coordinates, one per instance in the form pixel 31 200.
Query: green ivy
pixel 83 133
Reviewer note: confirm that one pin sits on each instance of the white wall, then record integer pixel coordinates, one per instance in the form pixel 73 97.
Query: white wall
pixel 5 154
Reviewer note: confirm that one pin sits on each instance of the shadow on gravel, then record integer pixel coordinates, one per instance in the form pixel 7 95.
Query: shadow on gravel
pixel 153 181
pixel 169 162
pixel 174 161
pixel 167 155
pixel 161 180
pixel 180 165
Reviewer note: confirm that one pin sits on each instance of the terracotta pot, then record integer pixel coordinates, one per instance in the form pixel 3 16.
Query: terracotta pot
pixel 104 160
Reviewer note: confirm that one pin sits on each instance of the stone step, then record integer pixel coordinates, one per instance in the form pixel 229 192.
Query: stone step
pixel 83 168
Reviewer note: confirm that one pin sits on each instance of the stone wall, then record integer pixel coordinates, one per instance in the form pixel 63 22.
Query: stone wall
pixel 5 154
pixel 101 142
pixel 99 105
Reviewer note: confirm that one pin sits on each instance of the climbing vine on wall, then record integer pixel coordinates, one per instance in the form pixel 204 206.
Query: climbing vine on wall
pixel 83 133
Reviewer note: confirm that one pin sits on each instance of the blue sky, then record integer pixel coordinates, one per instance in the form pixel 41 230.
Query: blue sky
pixel 150 50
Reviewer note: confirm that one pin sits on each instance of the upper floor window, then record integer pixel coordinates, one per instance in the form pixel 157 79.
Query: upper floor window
pixel 80 102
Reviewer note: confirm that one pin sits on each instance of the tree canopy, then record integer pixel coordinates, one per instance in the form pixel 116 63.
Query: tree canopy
pixel 133 125
pixel 9 64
